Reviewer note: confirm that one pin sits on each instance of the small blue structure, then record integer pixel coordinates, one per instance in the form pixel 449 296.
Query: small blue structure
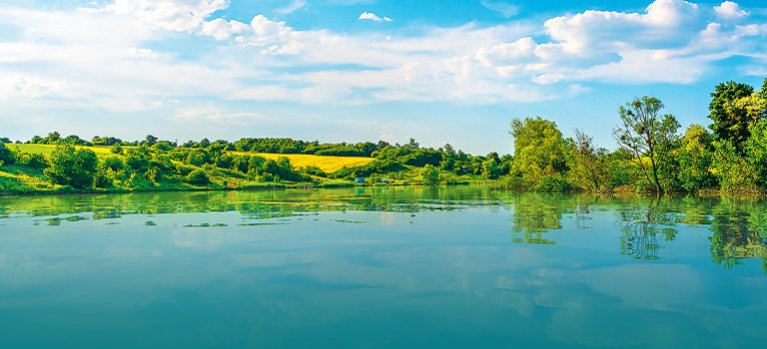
pixel 359 180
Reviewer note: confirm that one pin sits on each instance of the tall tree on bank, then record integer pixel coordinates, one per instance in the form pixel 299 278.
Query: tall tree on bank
pixel 539 150
pixel 734 107
pixel 647 134
pixel 587 167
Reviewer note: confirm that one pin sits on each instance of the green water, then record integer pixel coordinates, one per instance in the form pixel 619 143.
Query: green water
pixel 381 268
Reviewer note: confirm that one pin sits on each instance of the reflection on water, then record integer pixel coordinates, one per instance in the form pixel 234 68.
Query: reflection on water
pixel 459 267
pixel 739 228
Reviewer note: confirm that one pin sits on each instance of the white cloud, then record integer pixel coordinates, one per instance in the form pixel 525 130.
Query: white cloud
pixel 177 15
pixel 28 87
pixel 370 16
pixel 293 7
pixel 221 29
pixel 672 41
pixel 730 10
pixel 212 113
pixel 505 9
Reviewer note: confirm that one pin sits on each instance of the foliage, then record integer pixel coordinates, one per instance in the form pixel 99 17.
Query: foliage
pixel 6 156
pixel 430 175
pixel 553 184
pixel 649 137
pixel 695 160
pixel 73 167
pixel 735 174
pixel 733 108
pixel 198 177
pixel 539 150
pixel 587 164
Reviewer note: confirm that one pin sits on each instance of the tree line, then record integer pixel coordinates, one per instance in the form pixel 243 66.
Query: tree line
pixel 652 154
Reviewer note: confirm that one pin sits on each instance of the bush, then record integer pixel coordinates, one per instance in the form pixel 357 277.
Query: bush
pixel 198 177
pixel 35 161
pixel 553 184
pixel 71 166
pixel 430 174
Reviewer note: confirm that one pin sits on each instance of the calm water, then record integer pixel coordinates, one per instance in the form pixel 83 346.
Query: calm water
pixel 381 268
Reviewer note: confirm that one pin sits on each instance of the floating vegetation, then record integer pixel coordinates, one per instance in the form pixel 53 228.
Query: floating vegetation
pixel 205 225
pixel 259 224
pixel 150 224
pixel 347 221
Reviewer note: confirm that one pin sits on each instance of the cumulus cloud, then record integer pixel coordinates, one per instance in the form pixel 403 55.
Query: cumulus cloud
pixel 177 15
pixel 730 10
pixel 370 16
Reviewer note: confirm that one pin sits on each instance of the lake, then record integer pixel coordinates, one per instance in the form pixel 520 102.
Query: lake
pixel 459 267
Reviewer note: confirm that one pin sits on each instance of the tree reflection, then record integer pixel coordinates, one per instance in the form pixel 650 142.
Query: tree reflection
pixel 641 228
pixel 739 232
pixel 534 215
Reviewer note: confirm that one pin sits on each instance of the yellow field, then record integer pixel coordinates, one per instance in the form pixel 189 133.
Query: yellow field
pixel 326 163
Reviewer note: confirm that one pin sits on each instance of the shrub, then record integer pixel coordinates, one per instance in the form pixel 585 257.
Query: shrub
pixel 35 161
pixel 430 174
pixel 71 166
pixel 198 177
pixel 553 184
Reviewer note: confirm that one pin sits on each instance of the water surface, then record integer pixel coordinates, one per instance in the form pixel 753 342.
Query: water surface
pixel 457 267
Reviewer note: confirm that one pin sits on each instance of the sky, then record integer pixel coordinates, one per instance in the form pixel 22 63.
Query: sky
pixel 364 70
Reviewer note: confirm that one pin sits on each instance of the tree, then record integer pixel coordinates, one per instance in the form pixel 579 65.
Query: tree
pixel 150 140
pixel 647 135
pixel 736 175
pixel 539 149
pixel 730 113
pixel 695 158
pixel 6 156
pixel 587 167
pixel 71 166
pixel 430 174
pixel 756 152
pixel 490 169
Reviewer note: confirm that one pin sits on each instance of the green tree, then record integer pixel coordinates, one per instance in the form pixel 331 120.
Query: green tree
pixel 430 174
pixel 587 167
pixel 695 159
pixel 648 136
pixel 756 152
pixel 539 150
pixel 117 148
pixel 6 156
pixel 71 166
pixel 735 174
pixel 732 111
pixel 490 169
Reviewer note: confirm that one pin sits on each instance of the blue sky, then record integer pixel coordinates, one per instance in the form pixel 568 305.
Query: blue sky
pixel 355 70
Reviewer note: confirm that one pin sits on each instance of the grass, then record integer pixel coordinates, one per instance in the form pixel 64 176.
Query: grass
pixel 47 149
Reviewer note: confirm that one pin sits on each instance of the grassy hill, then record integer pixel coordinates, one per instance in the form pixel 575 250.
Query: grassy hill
pixel 327 164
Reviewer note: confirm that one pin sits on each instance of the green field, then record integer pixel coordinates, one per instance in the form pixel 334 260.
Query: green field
pixel 47 149
pixel 327 164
